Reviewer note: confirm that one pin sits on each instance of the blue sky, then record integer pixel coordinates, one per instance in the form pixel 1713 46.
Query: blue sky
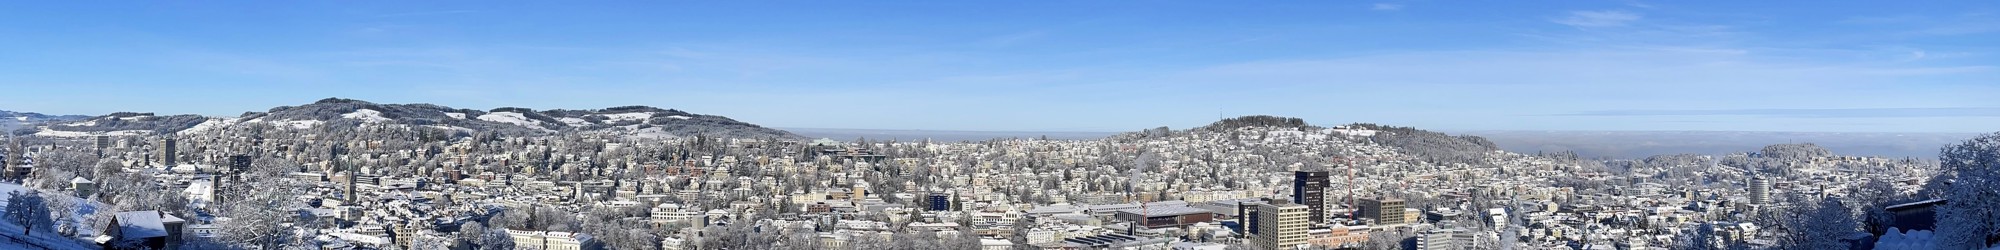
pixel 1042 66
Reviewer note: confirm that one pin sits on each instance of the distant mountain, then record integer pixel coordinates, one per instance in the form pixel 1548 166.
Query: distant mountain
pixel 1427 145
pixel 123 123
pixel 633 121
pixel 940 135
pixel 25 122
pixel 32 117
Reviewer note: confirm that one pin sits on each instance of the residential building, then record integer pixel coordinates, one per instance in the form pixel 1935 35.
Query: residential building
pixel 548 240
pixel 149 229
pixel 81 187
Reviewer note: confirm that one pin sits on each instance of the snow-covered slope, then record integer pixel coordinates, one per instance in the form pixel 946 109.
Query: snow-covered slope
pixel 633 116
pixel 333 113
pixel 1898 239
pixel 11 236
pixel 651 122
pixel 211 124
pixel 510 118
pixel 123 123
pixel 12 122
pixel 365 115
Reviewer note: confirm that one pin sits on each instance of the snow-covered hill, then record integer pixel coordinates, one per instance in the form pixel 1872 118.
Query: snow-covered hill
pixel 123 123
pixel 13 120
pixel 633 121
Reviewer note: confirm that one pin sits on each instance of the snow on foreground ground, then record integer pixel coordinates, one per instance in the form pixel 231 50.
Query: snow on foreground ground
pixel 1897 239
pixel 12 238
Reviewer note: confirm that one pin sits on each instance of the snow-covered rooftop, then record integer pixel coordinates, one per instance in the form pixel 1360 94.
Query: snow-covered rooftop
pixel 141 224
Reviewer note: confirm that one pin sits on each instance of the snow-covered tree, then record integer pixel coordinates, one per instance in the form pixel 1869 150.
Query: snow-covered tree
pixel 62 209
pixel 1872 200
pixel 496 238
pixel 1701 237
pixel 1822 227
pixel 471 231
pixel 258 212
pixel 28 210
pixel 1971 219
pixel 429 242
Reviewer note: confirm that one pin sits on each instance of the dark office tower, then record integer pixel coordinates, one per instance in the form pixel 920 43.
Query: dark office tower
pixel 167 152
pixel 1309 188
pixel 940 202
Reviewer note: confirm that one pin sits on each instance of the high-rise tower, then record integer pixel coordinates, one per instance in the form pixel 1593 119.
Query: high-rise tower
pixel 167 152
pixel 1309 189
pixel 1760 190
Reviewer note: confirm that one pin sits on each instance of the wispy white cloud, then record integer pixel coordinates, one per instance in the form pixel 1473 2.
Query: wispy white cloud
pixel 1598 19
pixel 1930 25
pixel 1638 4
pixel 1387 7
pixel 1964 27
pixel 1871 20
pixel 1927 71
pixel 1012 39
pixel 425 13
pixel 233 64
pixel 1915 54
pixel 1809 113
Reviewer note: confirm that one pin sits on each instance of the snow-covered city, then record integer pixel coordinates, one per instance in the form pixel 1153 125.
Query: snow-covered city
pixel 1000 125
pixel 343 174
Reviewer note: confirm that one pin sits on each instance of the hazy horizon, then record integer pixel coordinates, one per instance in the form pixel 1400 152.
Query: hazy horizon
pixel 1590 144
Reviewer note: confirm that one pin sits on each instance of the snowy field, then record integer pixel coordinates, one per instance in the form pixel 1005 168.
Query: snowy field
pixel 14 239
pixel 1898 239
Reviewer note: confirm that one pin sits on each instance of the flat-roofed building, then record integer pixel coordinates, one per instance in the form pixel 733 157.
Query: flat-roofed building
pixel 1282 224
pixel 1384 211
pixel 1163 217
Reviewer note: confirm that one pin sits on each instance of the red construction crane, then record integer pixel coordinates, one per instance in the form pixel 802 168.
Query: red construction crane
pixel 1351 209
